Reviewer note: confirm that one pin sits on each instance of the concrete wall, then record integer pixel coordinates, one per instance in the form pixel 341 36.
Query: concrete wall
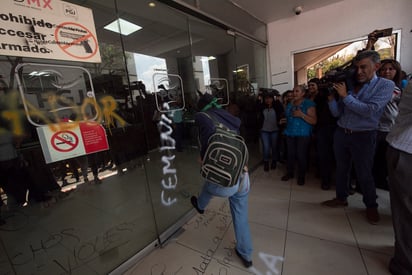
pixel 340 22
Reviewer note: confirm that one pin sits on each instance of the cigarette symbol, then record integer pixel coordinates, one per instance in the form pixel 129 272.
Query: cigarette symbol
pixel 66 138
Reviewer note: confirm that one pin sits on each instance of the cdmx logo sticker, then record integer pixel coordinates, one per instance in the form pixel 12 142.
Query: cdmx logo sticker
pixel 36 3
pixel 218 87
pixel 168 90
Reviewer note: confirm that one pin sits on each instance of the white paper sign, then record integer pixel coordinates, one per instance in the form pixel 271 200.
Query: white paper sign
pixel 73 140
pixel 50 29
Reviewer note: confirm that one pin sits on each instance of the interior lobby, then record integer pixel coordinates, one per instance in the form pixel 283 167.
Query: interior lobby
pixel 101 150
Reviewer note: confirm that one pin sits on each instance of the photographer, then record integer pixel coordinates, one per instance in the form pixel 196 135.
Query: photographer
pixel 323 132
pixel 358 111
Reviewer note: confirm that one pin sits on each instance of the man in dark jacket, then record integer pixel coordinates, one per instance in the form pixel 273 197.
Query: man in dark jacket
pixel 237 194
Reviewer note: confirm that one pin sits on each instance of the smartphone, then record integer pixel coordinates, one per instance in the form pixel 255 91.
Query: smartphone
pixel 383 32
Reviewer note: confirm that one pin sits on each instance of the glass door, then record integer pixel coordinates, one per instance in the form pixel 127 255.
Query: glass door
pixel 75 193
pixel 99 159
pixel 162 89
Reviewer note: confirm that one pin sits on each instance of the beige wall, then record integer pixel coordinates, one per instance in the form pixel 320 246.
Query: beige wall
pixel 333 24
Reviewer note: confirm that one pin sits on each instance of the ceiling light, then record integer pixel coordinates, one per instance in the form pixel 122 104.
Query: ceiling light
pixel 126 27
pixel 207 58
pixel 238 71
pixel 152 4
pixel 36 73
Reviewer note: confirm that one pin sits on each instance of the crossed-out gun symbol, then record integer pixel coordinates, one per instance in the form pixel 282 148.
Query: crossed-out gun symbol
pixel 83 42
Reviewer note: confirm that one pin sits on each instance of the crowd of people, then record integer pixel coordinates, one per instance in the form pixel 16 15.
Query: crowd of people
pixel 339 132
pixel 351 128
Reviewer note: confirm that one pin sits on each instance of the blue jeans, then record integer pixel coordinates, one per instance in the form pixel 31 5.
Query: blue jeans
pixel 238 199
pixel 269 141
pixel 358 148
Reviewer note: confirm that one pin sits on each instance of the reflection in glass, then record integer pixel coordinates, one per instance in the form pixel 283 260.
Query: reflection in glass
pixel 54 93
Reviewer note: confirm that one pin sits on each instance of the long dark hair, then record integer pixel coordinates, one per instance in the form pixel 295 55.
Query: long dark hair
pixel 395 64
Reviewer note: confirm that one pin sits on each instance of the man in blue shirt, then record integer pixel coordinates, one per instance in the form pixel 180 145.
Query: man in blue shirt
pixel 358 112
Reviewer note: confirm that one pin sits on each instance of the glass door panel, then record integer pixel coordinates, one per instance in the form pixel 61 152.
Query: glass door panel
pixel 233 69
pixel 90 211
pixel 162 88
pixel 69 211
pixel 250 76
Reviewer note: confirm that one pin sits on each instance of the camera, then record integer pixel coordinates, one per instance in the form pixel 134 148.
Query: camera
pixel 298 10
pixel 344 73
pixel 138 86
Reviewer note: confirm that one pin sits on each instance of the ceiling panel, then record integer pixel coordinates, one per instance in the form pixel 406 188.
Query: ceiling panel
pixel 165 34
pixel 273 10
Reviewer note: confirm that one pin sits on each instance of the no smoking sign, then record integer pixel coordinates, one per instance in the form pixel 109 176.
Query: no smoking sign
pixel 64 141
pixel 75 140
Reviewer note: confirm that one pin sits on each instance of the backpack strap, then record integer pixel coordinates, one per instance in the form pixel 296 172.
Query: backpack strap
pixel 216 122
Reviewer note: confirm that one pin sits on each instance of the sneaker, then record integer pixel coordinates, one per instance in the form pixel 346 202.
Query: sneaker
pixel 273 165
pixel 335 202
pixel 286 177
pixel 325 186
pixel 245 262
pixel 193 200
pixel 372 215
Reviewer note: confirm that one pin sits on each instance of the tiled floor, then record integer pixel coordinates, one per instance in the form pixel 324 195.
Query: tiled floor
pixel 292 235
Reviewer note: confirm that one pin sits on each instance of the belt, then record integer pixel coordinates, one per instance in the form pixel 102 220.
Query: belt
pixel 351 132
